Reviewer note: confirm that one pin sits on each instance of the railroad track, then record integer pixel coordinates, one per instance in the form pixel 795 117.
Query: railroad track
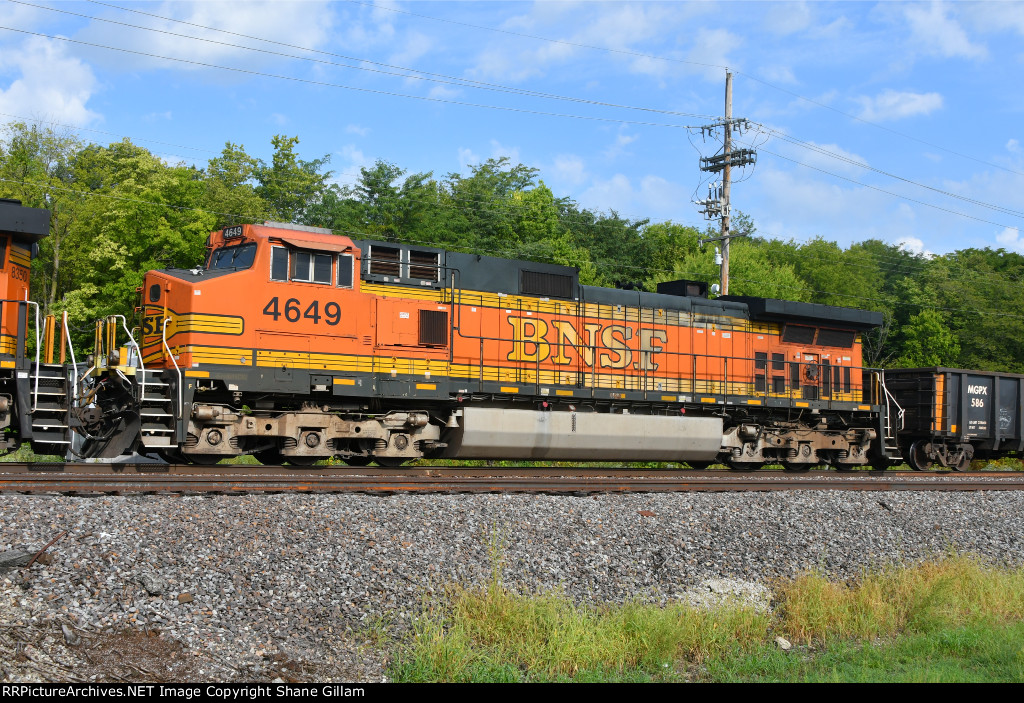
pixel 190 479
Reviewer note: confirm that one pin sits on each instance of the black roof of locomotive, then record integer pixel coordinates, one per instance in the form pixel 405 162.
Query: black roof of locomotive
pixel 28 223
pixel 771 309
pixel 499 275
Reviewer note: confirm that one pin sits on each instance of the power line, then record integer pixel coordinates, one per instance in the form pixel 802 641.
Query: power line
pixel 407 72
pixel 326 84
pixel 868 167
pixel 477 84
pixel 887 192
pixel 667 59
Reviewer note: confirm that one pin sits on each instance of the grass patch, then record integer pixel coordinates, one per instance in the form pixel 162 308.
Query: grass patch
pixel 971 654
pixel 495 635
pixel 954 619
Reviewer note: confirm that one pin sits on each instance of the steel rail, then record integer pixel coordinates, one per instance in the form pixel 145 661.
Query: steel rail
pixel 310 482
pixel 98 468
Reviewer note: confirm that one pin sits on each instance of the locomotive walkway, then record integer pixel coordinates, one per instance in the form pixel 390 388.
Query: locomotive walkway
pixel 95 478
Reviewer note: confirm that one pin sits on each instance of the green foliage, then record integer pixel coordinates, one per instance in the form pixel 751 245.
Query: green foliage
pixel 118 211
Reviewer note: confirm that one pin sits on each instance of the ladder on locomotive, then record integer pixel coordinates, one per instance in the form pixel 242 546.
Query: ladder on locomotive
pixel 156 406
pixel 50 414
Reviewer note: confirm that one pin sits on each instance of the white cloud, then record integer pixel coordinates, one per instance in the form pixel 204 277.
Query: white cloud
pixel 655 197
pixel 615 26
pixel 353 159
pixel 569 168
pixel 1010 238
pixel 934 33
pixel 828 157
pixel 1013 146
pixel 443 92
pixel 357 129
pixel 711 48
pixel 48 83
pixel 788 17
pixel 795 204
pixel 278 119
pixel 778 73
pixel 622 140
pixel 498 150
pixel 414 46
pixel 914 245
pixel 467 158
pixel 616 193
pixel 891 105
pixel 308 24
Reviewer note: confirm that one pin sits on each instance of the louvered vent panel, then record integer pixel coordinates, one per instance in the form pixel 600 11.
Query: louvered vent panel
pixel 549 285
pixel 385 261
pixel 434 327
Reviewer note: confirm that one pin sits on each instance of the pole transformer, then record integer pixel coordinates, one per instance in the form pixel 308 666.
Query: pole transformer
pixel 717 204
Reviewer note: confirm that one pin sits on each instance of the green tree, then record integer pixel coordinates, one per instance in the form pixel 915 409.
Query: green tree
pixel 927 341
pixel 289 185
pixel 36 167
pixel 230 188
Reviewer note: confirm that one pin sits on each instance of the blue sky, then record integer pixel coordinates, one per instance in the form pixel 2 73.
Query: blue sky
pixel 890 120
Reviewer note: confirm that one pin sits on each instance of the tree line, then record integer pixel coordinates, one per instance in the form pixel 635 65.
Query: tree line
pixel 119 210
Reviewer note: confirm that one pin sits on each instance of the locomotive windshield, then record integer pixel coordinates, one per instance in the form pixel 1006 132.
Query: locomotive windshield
pixel 236 257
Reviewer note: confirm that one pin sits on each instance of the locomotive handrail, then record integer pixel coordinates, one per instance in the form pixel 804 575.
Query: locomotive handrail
pixel 35 392
pixel 173 361
pixel 138 350
pixel 74 364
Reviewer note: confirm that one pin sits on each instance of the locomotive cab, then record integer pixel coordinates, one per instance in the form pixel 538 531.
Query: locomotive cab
pixel 21 229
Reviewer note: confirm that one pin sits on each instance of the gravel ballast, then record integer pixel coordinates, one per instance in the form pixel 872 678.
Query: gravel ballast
pixel 294 587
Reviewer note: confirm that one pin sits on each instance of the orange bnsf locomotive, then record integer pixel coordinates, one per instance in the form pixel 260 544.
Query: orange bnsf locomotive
pixel 33 390
pixel 293 344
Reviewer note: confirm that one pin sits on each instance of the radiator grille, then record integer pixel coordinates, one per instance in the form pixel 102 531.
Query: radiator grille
pixel 434 327
pixel 385 261
pixel 423 265
pixel 549 285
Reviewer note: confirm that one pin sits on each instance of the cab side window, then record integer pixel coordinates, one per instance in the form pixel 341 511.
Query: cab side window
pixel 345 270
pixel 301 266
pixel 278 264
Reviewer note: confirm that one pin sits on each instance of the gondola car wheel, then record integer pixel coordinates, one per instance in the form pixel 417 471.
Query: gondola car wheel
pixel 918 457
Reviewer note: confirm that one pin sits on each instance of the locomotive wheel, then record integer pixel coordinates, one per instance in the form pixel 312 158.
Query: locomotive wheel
pixel 390 462
pixel 204 459
pixel 358 460
pixel 744 466
pixel 698 465
pixel 918 456
pixel 302 460
pixel 795 468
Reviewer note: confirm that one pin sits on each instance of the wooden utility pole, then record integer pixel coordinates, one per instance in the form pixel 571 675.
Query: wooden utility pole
pixel 726 173
pixel 717 204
